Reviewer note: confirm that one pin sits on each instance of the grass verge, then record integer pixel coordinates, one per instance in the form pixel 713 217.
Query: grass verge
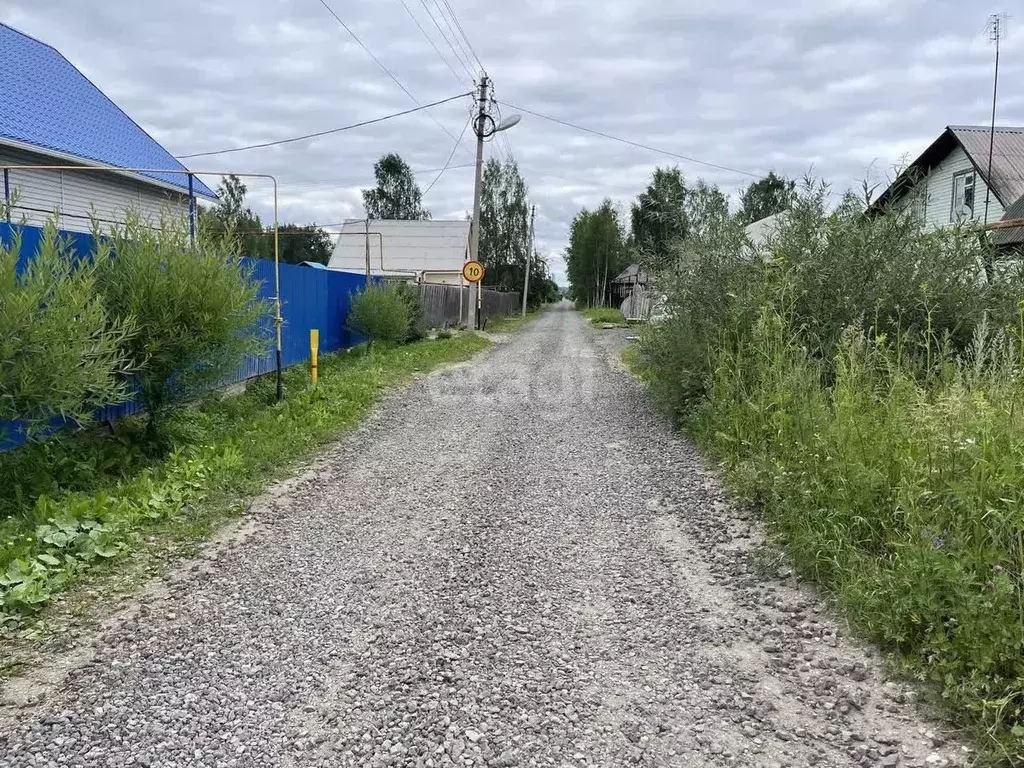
pixel 78 506
pixel 900 496
pixel 511 323
pixel 602 315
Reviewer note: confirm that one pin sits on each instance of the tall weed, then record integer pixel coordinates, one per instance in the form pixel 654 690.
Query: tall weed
pixel 861 380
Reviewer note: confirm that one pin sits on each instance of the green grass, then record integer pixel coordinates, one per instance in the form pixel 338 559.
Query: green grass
pixel 511 323
pixel 602 315
pixel 633 359
pixel 901 496
pixel 79 505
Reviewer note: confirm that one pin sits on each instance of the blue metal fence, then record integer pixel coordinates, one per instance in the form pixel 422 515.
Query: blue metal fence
pixel 310 298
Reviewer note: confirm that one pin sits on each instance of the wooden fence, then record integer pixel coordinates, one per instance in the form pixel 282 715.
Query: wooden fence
pixel 445 305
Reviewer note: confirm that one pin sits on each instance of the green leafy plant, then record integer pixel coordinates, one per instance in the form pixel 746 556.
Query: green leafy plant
pixel 603 315
pixel 197 308
pixel 87 499
pixel 61 352
pixel 861 380
pixel 410 294
pixel 381 314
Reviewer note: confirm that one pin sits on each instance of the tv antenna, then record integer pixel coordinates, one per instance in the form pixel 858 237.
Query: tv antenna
pixel 996 29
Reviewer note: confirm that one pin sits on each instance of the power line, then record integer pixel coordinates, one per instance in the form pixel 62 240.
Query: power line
pixel 363 46
pixel 464 35
pixel 455 35
pixel 379 64
pixel 441 172
pixel 286 184
pixel 327 132
pixel 431 41
pixel 447 41
pixel 633 143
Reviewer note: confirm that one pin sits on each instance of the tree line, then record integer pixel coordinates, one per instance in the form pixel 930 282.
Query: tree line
pixel 505 235
pixel 605 240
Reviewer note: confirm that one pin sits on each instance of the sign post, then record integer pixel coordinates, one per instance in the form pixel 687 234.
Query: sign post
pixel 473 273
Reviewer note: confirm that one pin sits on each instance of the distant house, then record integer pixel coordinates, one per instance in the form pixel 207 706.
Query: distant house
pixel 51 114
pixel 950 181
pixel 629 290
pixel 418 251
pixel 760 231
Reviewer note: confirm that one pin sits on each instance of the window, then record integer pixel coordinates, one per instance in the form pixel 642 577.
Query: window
pixel 962 206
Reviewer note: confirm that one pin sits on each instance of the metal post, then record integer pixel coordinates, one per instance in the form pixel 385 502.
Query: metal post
pixel 314 349
pixel 992 131
pixel 368 253
pixel 191 211
pixel 277 302
pixel 529 258
pixel 7 195
pixel 479 128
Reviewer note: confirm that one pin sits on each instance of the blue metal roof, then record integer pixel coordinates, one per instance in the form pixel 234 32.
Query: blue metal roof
pixel 46 102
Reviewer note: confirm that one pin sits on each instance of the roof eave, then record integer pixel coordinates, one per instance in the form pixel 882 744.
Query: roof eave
pixel 925 159
pixel 93 164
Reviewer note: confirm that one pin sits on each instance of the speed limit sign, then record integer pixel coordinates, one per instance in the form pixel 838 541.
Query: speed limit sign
pixel 473 271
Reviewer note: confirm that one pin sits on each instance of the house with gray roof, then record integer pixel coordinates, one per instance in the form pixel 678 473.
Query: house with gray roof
pixel 954 182
pixel 53 115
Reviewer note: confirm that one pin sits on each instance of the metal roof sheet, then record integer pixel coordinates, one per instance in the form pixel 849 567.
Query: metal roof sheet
pixel 1015 234
pixel 1007 177
pixel 408 246
pixel 45 102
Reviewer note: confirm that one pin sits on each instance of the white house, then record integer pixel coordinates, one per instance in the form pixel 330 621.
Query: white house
pixel 950 182
pixel 51 114
pixel 420 251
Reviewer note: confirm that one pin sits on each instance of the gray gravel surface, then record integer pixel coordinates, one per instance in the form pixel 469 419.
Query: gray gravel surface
pixel 514 562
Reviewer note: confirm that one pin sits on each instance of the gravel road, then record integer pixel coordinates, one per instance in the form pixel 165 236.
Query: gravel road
pixel 514 563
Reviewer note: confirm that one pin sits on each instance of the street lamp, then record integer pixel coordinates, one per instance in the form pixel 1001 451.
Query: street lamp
pixel 484 128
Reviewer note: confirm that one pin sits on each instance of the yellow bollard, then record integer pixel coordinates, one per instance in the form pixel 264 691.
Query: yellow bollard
pixel 314 347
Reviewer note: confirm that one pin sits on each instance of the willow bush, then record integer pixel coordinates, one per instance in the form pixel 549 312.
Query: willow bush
pixel 62 353
pixel 197 307
pixel 861 380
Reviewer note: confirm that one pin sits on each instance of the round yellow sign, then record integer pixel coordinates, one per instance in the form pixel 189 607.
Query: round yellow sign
pixel 473 271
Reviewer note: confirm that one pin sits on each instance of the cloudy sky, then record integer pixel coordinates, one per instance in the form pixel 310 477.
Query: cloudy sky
pixel 844 87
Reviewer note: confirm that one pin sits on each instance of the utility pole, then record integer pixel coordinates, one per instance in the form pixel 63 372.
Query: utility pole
pixel 480 129
pixel 529 257
pixel 995 32
pixel 367 251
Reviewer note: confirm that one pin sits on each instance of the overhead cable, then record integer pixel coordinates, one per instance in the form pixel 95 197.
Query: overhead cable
pixel 317 134
pixel 444 35
pixel 387 71
pixel 432 43
pixel 631 143
pixel 450 156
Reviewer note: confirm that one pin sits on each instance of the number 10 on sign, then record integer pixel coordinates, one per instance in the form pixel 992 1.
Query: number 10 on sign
pixel 473 271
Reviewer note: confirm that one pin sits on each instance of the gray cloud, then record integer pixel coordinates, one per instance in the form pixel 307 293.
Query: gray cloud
pixel 846 87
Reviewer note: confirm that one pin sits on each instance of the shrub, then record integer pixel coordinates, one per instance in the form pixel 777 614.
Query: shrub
pixel 381 314
pixel 61 353
pixel 411 296
pixel 860 379
pixel 197 308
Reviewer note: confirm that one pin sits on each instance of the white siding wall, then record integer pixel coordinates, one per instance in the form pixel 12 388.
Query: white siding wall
pixel 76 193
pixel 939 185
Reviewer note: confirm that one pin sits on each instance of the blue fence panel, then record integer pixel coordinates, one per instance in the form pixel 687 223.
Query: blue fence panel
pixel 310 298
pixel 31 237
